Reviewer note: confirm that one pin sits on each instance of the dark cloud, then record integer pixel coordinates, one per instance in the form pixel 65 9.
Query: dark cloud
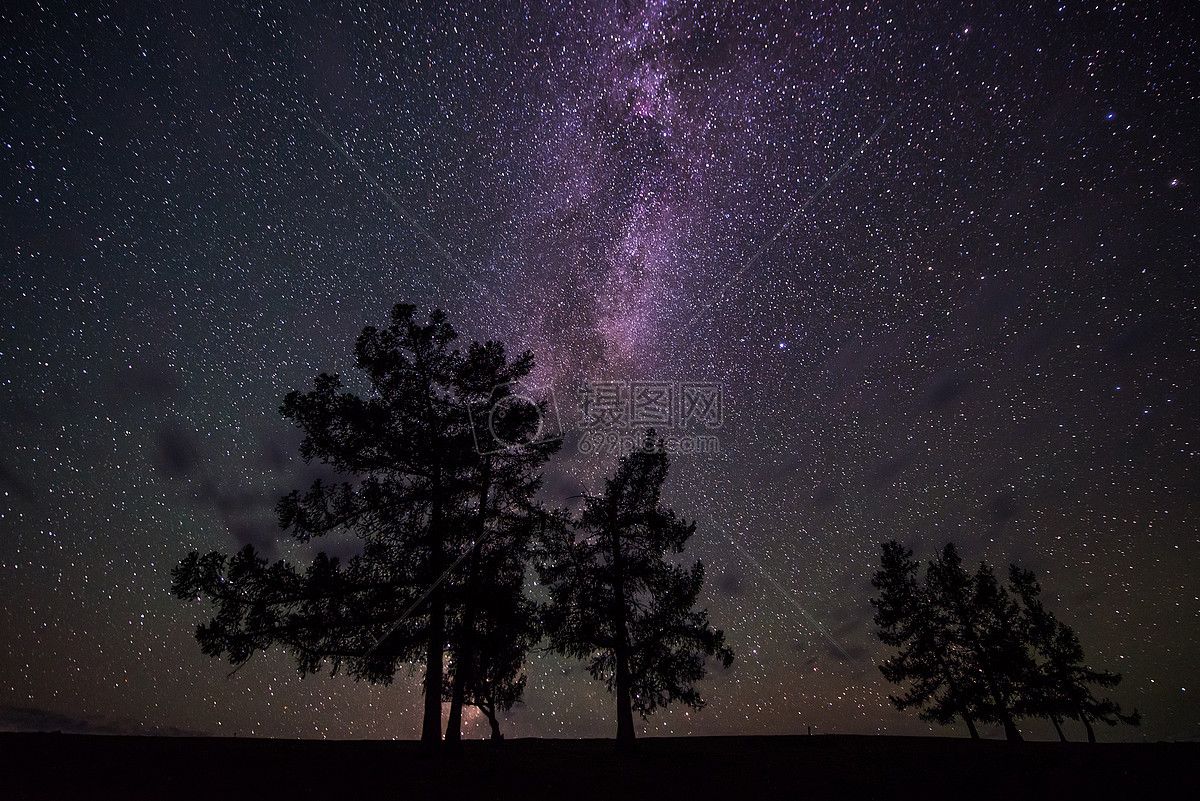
pixel 235 502
pixel 824 496
pixel 731 584
pixel 563 490
pixel 177 451
pixel 147 382
pixel 264 535
pixel 847 626
pixel 780 467
pixel 33 719
pixel 997 302
pixel 278 449
pixel 305 475
pixel 845 366
pixel 944 389
pixel 1038 340
pixel 890 469
pixel 17 410
pixel 249 516
pixel 10 480
pixel 1003 507
pixel 1135 339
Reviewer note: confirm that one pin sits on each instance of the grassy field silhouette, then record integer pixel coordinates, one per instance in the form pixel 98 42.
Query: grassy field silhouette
pixel 820 767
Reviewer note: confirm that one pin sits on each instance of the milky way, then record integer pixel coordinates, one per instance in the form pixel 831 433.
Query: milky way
pixel 939 259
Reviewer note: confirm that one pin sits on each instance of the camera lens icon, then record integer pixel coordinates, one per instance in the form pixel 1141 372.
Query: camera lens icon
pixel 515 419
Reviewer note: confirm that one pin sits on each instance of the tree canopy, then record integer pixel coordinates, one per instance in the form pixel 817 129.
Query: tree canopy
pixel 971 648
pixel 618 602
pixel 433 511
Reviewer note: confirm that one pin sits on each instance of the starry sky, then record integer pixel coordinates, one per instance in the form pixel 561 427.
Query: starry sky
pixel 941 260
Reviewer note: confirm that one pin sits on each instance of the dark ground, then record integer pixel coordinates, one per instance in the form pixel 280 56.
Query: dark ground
pixel 65 766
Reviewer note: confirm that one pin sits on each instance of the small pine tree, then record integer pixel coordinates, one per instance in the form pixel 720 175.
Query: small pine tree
pixel 937 681
pixel 959 653
pixel 617 601
pixel 495 627
pixel 508 626
pixel 1059 686
pixel 980 614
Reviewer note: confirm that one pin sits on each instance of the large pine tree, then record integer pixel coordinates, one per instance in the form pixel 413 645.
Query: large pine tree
pixel 618 601
pixel 418 493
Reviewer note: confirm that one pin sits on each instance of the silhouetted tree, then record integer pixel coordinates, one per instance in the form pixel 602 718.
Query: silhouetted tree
pixel 1059 686
pixel 616 601
pixel 507 626
pixel 959 651
pixel 412 495
pixel 495 627
pixel 980 616
pixel 937 680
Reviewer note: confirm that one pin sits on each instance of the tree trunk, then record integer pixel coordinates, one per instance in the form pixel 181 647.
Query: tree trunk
pixel 1087 724
pixel 962 709
pixel 1011 732
pixel 625 733
pixel 454 720
pixel 454 716
pixel 1062 738
pixel 431 726
pixel 464 669
pixel 495 724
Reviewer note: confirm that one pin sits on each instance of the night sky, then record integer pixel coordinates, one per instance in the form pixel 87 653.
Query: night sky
pixel 940 259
